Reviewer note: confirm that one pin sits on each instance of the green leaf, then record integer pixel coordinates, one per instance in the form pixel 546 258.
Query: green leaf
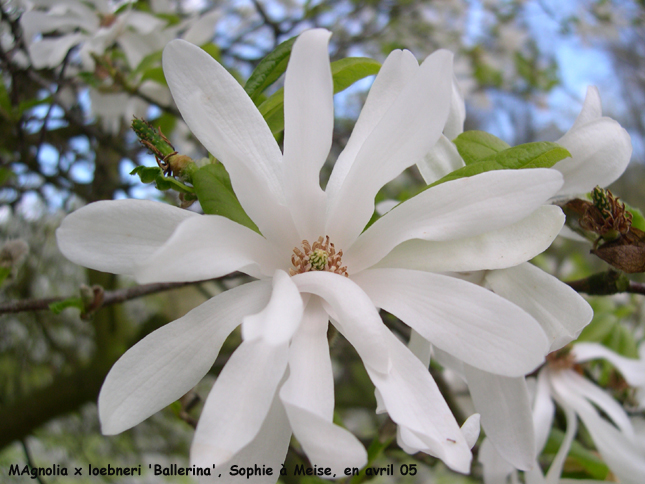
pixel 474 146
pixel 154 74
pixel 345 72
pixel 622 341
pixel 72 302
pixel 638 220
pixel 542 154
pixel 269 69
pixel 578 456
pixel 149 174
pixel 216 196
pixel 4 273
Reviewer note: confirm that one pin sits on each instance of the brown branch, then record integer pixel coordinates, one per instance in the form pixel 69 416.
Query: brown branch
pixel 607 283
pixel 110 297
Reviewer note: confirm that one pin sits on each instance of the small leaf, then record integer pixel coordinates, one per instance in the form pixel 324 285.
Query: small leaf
pixel 345 72
pixel 638 220
pixel 4 273
pixel 147 174
pixel 216 196
pixel 474 146
pixel 72 302
pixel 530 155
pixel 269 69
pixel 155 74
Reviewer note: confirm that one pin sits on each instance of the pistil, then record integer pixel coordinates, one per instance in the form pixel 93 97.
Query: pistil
pixel 319 256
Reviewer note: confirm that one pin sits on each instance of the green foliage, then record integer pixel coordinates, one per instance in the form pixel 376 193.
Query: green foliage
pixel 345 72
pixel 541 154
pixel 72 302
pixel 269 69
pixel 216 196
pixel 638 220
pixel 149 174
pixel 474 146
pixel 579 457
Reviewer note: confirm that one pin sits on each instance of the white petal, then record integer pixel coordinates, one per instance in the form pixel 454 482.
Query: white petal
pixel 600 151
pixel 457 114
pixel 463 319
pixel 543 410
pixel 457 209
pixel 443 158
pixel 223 117
pixel 277 322
pixel 167 363
pixel 591 108
pixel 311 383
pixel 112 236
pixel 560 310
pixel 238 403
pixel 470 429
pixel 496 469
pixel 203 29
pixel 506 417
pixel 360 320
pixel 397 70
pixel 267 450
pixel 632 370
pixel 505 247
pixel 142 22
pixel 406 132
pixel 420 347
pixel 51 52
pixel 555 470
pixel 308 128
pixel 205 247
pixel 413 401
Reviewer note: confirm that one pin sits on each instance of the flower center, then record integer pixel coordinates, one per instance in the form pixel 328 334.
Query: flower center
pixel 561 359
pixel 319 256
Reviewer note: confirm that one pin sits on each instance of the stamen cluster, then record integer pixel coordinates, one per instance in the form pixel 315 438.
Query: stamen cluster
pixel 319 256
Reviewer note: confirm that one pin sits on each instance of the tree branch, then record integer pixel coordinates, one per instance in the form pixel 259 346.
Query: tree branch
pixel 607 283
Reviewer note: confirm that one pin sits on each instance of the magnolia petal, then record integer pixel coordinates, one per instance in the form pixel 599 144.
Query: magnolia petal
pixel 591 108
pixel 408 441
pixel 360 320
pixel 397 70
pixel 470 429
pixel 268 449
pixel 560 310
pixel 308 129
pixel 311 383
pixel 632 370
pixel 112 236
pixel 463 319
pixel 420 347
pixel 51 52
pixel 555 471
pixel 205 247
pixel 457 209
pixel 543 410
pixel 457 114
pixel 600 151
pixel 505 247
pixel 496 468
pixel 223 117
pixel 406 132
pixel 239 402
pixel 442 159
pixel 278 321
pixel 506 417
pixel 413 401
pixel 167 363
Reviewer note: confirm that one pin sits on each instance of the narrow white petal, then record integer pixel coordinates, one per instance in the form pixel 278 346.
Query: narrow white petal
pixel 267 450
pixel 632 370
pixel 413 401
pixel 356 313
pixel 239 402
pixel 600 151
pixel 463 319
pixel 308 129
pixel 112 236
pixel 406 132
pixel 203 29
pixel 457 114
pixel 555 471
pixel 443 158
pixel 470 429
pixel 543 410
pixel 51 52
pixel 591 108
pixel 397 70
pixel 205 247
pixel 420 347
pixel 223 117
pixel 311 383
pixel 498 249
pixel 560 310
pixel 506 417
pixel 457 209
pixel 496 468
pixel 167 363
pixel 277 322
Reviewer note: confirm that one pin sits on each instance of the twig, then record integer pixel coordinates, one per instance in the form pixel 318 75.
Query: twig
pixel 110 297
pixel 30 464
pixel 607 283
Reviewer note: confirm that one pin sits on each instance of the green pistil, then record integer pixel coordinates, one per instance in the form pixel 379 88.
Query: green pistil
pixel 318 259
pixel 601 202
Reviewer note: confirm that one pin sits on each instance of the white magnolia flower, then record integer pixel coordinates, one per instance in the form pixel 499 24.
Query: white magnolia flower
pixel 600 151
pixel 613 435
pixel 279 380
